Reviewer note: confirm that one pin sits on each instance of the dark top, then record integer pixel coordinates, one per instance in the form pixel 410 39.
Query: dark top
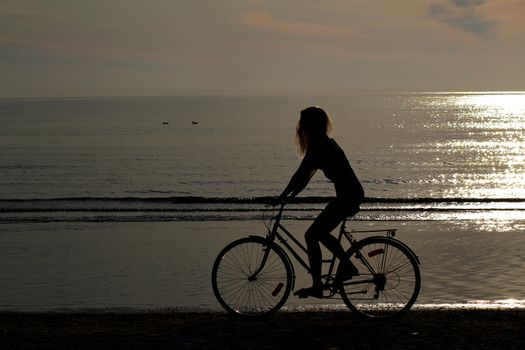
pixel 325 154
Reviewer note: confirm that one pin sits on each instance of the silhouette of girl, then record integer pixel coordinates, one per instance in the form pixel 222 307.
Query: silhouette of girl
pixel 322 152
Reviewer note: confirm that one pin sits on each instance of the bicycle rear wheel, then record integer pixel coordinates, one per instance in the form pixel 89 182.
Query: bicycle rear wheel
pixel 252 277
pixel 388 282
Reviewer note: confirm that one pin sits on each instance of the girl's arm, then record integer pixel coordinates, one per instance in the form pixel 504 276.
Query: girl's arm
pixel 299 179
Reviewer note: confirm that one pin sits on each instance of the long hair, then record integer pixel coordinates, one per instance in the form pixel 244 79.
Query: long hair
pixel 313 123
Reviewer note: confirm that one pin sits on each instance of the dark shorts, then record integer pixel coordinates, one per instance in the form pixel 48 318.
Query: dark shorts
pixel 334 213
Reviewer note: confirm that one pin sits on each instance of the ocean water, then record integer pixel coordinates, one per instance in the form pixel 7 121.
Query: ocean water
pixel 401 146
pixel 89 183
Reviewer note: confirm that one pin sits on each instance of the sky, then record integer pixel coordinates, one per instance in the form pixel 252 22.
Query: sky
pixel 66 48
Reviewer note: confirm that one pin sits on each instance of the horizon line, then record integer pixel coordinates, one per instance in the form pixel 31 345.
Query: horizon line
pixel 353 93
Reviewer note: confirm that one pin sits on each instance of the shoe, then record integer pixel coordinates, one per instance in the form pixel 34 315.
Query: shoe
pixel 347 271
pixel 309 292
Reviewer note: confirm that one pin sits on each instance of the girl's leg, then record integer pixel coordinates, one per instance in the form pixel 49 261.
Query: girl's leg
pixel 319 231
pixel 335 216
pixel 314 256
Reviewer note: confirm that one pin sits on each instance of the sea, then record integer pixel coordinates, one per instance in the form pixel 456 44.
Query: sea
pixel 126 201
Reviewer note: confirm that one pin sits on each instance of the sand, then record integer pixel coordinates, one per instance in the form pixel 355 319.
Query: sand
pixel 420 329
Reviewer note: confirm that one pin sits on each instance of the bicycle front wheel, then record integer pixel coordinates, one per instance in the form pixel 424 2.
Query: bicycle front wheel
pixel 388 282
pixel 252 277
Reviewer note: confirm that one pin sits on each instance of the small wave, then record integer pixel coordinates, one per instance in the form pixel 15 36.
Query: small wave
pixel 192 208
pixel 254 200
pixel 26 167
pixel 385 182
pixel 209 204
pixel 177 199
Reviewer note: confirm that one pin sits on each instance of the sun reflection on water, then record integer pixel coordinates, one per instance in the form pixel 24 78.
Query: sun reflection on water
pixel 505 103
pixel 483 146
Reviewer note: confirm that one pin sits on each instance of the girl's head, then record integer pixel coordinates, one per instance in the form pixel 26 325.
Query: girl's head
pixel 314 123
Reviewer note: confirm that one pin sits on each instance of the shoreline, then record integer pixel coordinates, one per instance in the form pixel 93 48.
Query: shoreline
pixel 289 308
pixel 169 328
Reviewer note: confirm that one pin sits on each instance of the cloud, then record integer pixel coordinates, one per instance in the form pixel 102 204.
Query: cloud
pixel 263 20
pixel 462 15
pixel 467 3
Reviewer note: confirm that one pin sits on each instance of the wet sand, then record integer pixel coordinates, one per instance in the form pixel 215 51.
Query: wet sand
pixel 168 264
pixel 420 329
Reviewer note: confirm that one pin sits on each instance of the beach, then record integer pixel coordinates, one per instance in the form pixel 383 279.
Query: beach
pixel 138 285
pixel 148 265
pixel 428 329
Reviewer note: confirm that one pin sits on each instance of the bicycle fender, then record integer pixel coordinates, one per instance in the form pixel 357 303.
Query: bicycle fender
pixel 364 241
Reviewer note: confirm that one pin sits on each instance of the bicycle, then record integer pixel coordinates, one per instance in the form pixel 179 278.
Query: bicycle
pixel 253 276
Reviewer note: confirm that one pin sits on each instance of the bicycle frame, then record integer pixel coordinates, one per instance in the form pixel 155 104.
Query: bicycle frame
pixel 274 233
